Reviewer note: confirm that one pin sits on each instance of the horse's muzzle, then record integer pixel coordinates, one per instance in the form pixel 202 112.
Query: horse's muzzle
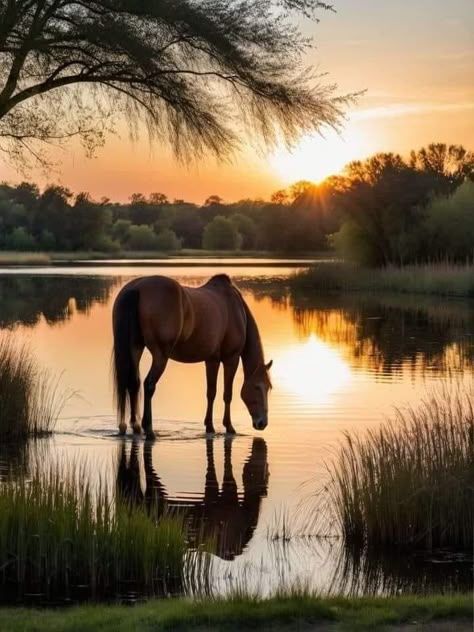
pixel 260 423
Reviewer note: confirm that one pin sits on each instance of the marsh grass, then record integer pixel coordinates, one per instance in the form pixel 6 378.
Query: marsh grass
pixel 30 399
pixel 62 538
pixel 409 483
pixel 24 259
pixel 442 279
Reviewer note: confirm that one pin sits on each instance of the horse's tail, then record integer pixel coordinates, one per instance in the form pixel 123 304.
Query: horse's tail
pixel 127 332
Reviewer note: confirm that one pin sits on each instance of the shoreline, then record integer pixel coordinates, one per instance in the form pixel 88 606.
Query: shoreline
pixel 280 614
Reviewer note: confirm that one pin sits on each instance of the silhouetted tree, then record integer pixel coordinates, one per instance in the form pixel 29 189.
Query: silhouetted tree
pixel 449 165
pixel 195 72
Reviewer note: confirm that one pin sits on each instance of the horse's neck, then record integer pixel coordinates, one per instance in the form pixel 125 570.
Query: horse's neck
pixel 252 354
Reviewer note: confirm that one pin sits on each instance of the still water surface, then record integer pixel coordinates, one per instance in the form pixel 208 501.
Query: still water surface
pixel 341 362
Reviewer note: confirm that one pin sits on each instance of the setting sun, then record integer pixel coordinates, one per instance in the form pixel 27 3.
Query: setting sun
pixel 316 157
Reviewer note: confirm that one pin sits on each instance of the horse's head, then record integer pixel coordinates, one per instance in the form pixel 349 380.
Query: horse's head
pixel 255 395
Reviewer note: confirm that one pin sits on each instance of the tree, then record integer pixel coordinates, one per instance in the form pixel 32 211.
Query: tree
pixel 449 165
pixel 88 223
pixel 280 197
pixel 450 224
pixel 220 234
pixel 299 188
pixel 166 240
pixel 382 206
pixel 21 239
pixel 196 73
pixel 158 199
pixel 214 200
pixel 142 238
pixel 187 225
pixel 246 229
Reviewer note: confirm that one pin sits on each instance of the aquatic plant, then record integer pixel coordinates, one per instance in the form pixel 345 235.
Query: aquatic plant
pixel 62 538
pixel 410 482
pixel 30 402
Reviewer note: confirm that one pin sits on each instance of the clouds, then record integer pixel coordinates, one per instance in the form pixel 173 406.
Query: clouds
pixel 395 110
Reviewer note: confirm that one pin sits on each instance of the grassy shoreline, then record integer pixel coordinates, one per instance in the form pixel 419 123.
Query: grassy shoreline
pixel 51 258
pixel 281 613
pixel 441 279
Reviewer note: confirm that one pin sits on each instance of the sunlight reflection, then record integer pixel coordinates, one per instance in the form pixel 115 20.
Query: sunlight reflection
pixel 312 371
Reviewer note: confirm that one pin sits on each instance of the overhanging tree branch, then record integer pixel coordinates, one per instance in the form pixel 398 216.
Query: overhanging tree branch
pixel 199 74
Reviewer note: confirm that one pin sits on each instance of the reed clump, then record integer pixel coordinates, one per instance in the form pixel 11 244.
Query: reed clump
pixel 61 537
pixel 409 484
pixel 437 278
pixel 30 401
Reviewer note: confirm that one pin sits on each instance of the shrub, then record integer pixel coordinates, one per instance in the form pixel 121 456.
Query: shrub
pixel 220 234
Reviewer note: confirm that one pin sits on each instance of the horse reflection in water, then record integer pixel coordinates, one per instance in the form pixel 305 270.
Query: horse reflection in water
pixel 222 516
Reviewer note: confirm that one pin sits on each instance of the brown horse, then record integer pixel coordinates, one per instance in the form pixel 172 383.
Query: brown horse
pixel 210 324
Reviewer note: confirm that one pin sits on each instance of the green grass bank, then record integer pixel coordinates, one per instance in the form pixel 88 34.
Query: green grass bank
pixel 442 279
pixel 50 258
pixel 284 613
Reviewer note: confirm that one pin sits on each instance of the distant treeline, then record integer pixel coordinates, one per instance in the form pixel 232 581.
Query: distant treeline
pixel 381 210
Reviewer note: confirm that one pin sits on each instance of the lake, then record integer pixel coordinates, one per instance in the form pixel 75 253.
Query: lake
pixel 340 362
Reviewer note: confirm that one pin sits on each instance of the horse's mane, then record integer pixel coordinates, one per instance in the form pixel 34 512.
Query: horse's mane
pixel 252 353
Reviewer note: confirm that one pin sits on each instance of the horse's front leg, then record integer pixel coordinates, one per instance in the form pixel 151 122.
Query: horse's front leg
pixel 156 371
pixel 212 369
pixel 230 369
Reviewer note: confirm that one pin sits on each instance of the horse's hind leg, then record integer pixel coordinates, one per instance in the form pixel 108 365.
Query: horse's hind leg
pixel 156 371
pixel 134 390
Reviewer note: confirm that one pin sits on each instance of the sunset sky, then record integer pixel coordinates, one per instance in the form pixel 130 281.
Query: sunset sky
pixel 414 59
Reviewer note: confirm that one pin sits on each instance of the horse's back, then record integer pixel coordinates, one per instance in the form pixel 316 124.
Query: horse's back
pixel 189 324
pixel 219 318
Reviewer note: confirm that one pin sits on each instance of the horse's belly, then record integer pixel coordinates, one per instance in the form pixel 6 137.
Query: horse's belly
pixel 195 350
pixel 187 355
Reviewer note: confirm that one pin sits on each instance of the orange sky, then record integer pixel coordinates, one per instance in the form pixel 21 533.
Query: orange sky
pixel 416 62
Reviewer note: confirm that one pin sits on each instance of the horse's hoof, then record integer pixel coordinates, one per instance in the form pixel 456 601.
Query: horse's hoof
pixel 210 430
pixel 230 430
pixel 150 435
pixel 137 429
pixel 122 429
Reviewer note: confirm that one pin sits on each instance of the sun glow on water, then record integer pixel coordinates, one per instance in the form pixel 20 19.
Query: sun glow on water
pixel 312 371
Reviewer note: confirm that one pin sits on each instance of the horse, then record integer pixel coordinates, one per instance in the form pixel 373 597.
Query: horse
pixel 221 515
pixel 211 323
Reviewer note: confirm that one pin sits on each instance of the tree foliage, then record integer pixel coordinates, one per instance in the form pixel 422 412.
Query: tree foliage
pixel 384 200
pixel 381 210
pixel 220 234
pixel 198 74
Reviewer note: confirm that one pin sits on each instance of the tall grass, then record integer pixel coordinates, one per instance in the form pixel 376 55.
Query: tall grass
pixel 24 259
pixel 30 402
pixel 442 279
pixel 409 483
pixel 60 538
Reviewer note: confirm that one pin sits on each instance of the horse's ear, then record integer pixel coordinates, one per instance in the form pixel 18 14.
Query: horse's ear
pixel 269 365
